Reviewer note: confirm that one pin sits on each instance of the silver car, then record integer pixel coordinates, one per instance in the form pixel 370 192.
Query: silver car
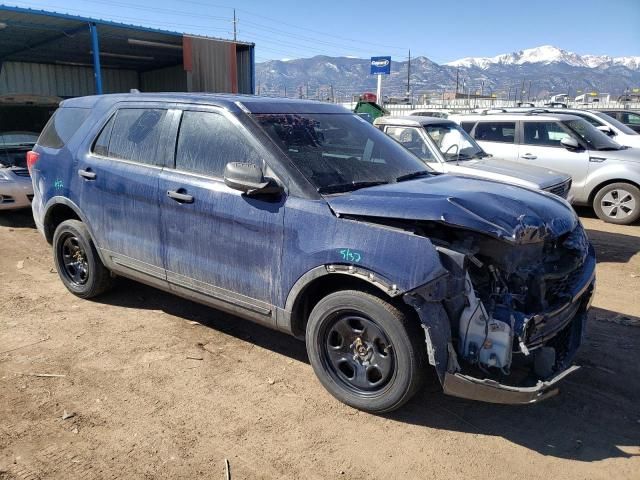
pixel 16 190
pixel 606 175
pixel 446 148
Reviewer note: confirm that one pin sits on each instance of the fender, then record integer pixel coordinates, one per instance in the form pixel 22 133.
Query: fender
pixel 615 171
pixel 59 200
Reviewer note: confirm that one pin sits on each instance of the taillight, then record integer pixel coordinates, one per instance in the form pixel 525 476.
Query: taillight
pixel 32 158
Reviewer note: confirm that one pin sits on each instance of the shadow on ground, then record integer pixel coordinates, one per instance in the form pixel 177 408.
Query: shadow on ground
pixel 595 413
pixel 613 247
pixel 22 218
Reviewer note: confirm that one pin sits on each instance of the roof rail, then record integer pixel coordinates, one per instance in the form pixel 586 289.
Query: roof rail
pixel 493 110
pixel 535 111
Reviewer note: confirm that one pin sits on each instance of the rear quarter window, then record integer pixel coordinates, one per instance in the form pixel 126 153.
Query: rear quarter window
pixel 62 126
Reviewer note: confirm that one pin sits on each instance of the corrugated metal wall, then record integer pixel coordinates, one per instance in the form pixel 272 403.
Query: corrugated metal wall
pixel 243 55
pixel 62 80
pixel 211 65
pixel 170 79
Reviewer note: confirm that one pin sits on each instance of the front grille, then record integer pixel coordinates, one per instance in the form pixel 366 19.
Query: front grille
pixel 6 199
pixel 22 172
pixel 560 189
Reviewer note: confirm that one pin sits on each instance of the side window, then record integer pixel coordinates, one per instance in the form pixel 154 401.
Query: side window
pixel 61 126
pixel 467 126
pixel 632 119
pixel 101 145
pixel 208 141
pixel 410 138
pixel 590 119
pixel 135 134
pixel 546 134
pixel 502 132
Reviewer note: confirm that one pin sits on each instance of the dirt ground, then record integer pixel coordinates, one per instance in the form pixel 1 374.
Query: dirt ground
pixel 158 387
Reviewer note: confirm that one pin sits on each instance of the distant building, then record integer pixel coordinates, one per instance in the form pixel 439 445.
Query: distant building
pixel 49 53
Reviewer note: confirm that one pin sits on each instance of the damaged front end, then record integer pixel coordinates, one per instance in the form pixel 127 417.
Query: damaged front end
pixel 505 322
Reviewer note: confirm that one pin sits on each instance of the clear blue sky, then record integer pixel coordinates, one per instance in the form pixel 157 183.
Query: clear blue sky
pixel 442 30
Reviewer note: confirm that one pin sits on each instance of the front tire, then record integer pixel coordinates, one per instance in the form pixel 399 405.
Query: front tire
pixel 365 351
pixel 618 203
pixel 77 261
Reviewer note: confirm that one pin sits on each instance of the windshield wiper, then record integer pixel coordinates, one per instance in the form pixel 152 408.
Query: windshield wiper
pixel 409 176
pixel 349 187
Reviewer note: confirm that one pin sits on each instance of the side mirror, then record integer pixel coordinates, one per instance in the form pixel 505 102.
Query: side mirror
pixel 606 130
pixel 570 143
pixel 249 179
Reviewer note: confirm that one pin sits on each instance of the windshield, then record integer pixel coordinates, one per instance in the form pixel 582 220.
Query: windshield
pixel 340 152
pixel 616 123
pixel 454 143
pixel 594 138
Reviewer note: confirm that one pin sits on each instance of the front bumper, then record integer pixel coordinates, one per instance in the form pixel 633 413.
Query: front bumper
pixel 563 329
pixel 15 194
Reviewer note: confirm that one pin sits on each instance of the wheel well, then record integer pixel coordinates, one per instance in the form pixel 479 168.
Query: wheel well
pixel 57 214
pixel 595 191
pixel 319 288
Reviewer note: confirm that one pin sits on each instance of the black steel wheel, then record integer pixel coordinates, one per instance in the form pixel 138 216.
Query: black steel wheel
pixel 365 351
pixel 77 261
pixel 356 352
pixel 74 259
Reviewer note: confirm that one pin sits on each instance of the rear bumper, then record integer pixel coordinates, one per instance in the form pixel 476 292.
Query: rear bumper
pixel 16 194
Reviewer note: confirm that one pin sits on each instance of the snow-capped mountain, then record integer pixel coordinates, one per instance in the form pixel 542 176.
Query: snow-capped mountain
pixel 542 70
pixel 547 54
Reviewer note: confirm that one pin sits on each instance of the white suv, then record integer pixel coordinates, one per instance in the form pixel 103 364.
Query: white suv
pixel 605 174
pixel 613 127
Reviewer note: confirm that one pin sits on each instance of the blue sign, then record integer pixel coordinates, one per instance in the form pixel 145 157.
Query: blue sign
pixel 380 65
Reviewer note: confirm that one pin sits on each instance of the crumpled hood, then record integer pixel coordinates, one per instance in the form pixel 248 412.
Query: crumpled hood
pixel 507 212
pixel 505 171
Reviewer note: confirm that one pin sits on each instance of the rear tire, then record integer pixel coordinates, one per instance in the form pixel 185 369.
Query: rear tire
pixel 366 352
pixel 618 203
pixel 77 261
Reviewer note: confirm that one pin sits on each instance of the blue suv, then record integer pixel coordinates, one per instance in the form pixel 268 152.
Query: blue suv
pixel 305 218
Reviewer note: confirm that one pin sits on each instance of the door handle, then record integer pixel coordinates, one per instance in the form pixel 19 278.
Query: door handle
pixel 87 174
pixel 528 156
pixel 179 196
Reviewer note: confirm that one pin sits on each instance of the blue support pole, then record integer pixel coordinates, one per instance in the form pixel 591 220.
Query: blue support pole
pixel 95 48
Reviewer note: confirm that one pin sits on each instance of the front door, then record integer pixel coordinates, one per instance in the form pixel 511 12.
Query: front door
pixel 221 246
pixel 541 147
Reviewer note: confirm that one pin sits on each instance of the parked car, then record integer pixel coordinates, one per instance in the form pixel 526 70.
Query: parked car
pixel 21 120
pixel 630 118
pixel 605 174
pixel 447 148
pixel 615 129
pixel 305 218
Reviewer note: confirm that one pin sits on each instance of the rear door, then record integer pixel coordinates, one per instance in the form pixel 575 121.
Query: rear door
pixel 221 247
pixel 497 138
pixel 118 185
pixel 541 146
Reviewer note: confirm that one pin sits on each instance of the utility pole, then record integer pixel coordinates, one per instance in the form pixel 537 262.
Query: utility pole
pixel 457 72
pixel 235 30
pixel 333 99
pixel 521 91
pixel 529 94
